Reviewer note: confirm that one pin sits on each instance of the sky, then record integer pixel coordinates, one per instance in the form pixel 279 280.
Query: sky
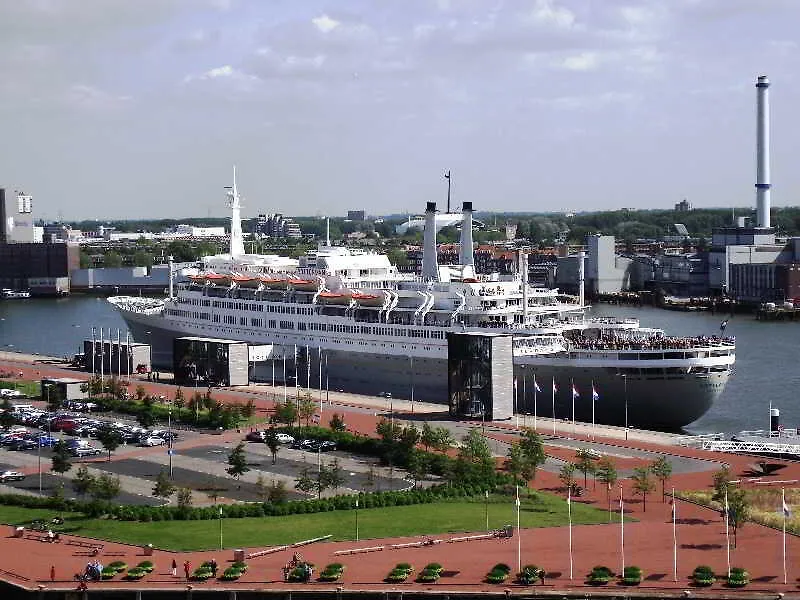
pixel 140 108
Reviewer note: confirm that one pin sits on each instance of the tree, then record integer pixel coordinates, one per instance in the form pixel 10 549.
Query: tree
pixel 418 466
pixel 584 462
pixel 606 472
pixel 237 461
pixel 184 497
pixel 738 510
pixel 105 487
pixel 112 260
pixel 142 259
pixel 179 402
pixel 532 447
pixel 140 393
pixel 262 490
pixel 61 462
pixel 474 461
pixel 306 407
pixel 146 417
pixel 443 439
pixel 333 475
pixel 305 482
pixel 285 412
pixel 337 423
pixel 7 419
pixel 110 439
pixel 164 488
pixel 83 481
pixel 662 469
pixel 642 484
pixel 277 492
pixel 515 462
pixel 721 481
pixel 271 441
pixel 427 436
pixel 567 475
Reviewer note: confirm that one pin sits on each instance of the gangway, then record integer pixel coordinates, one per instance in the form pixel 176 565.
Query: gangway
pixel 694 441
pixel 750 447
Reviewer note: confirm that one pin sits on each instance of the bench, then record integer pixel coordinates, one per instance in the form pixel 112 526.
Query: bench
pixel 358 550
pixel 83 544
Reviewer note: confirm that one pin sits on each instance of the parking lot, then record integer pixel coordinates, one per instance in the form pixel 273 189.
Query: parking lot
pixel 199 459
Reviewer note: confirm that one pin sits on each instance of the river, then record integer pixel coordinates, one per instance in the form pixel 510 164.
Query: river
pixel 765 370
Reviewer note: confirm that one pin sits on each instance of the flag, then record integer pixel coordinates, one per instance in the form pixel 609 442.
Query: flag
pixel 356 502
pixel 674 508
pixel 723 325
pixel 220 511
pixel 486 491
pixel 555 387
pixel 569 495
pixel 517 500
pixel 536 386
pixel 595 395
pixel 787 512
pixel 575 392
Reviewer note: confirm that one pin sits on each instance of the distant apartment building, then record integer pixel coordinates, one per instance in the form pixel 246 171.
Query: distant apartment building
pixel 356 215
pixel 198 232
pixel 683 206
pixel 16 218
pixel 276 226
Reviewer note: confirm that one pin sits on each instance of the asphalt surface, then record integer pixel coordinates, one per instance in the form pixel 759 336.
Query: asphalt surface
pixel 291 467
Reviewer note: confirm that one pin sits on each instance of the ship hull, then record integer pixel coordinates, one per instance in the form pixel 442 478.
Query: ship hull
pixel 652 400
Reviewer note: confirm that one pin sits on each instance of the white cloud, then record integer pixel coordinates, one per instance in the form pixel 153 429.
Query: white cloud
pixel 547 12
pixel 585 61
pixel 325 23
pixel 91 97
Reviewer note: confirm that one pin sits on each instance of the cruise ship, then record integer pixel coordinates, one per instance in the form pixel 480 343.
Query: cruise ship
pixel 374 330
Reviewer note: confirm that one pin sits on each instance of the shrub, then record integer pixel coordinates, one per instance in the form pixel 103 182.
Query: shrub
pixel 703 576
pixel 240 566
pixel 146 566
pixel 108 573
pixel 202 573
pixel 501 567
pixel 496 576
pixel 600 575
pixel 332 572
pixel 739 577
pixel 118 566
pixel 136 573
pixel 530 574
pixel 430 573
pixel 301 573
pixel 632 575
pixel 231 573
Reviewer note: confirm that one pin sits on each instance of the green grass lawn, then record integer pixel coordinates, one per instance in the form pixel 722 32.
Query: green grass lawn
pixel 432 519
pixel 32 389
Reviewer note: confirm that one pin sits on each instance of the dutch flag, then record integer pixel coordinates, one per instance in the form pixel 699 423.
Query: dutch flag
pixel 595 395
pixel 536 386
pixel 555 387
pixel 575 392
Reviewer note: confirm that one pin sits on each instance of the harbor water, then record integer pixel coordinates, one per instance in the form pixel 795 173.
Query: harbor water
pixel 766 352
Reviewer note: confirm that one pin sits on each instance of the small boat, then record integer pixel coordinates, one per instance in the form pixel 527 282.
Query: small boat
pixel 198 279
pixel 274 283
pixel 469 280
pixel 218 279
pixel 248 281
pixel 368 299
pixel 309 285
pixel 334 297
pixel 9 294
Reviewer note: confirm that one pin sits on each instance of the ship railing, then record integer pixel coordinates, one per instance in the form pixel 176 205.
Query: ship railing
pixel 783 432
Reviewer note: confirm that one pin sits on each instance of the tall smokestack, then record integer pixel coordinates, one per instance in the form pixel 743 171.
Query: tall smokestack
pixel 430 266
pixel 582 277
pixel 762 152
pixel 467 260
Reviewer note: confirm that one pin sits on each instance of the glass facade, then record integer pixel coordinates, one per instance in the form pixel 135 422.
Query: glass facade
pixel 475 384
pixel 201 362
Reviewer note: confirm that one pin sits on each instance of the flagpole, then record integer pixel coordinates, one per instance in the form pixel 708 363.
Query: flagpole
pixel 535 390
pixel 674 538
pixel 622 527
pixel 727 532
pixel 486 492
pixel 554 405
pixel 783 512
pixel 572 391
pixel 519 538
pixel 593 395
pixel 569 518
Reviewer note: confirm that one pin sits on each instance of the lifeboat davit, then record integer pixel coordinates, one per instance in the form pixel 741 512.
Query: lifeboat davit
pixel 309 285
pixel 368 299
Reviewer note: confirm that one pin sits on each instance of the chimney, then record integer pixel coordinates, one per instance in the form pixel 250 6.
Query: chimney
pixel 430 266
pixel 467 257
pixel 762 152
pixel 582 277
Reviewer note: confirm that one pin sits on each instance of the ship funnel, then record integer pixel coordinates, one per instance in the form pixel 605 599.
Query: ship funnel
pixel 467 257
pixel 237 242
pixel 582 277
pixel 774 419
pixel 430 266
pixel 762 153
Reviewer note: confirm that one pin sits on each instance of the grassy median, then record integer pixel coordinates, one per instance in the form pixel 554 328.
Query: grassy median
pixel 541 510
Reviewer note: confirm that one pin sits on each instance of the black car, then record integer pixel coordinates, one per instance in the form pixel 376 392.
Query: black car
pixel 303 445
pixel 255 436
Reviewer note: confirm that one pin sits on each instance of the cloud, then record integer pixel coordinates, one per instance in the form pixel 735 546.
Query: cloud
pixel 325 24
pixel 585 61
pixel 91 97
pixel 549 13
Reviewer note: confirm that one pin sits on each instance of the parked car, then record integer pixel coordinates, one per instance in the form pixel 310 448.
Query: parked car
pixel 256 436
pixel 85 451
pixel 11 476
pixel 152 441
pixel 302 444
pixel 47 441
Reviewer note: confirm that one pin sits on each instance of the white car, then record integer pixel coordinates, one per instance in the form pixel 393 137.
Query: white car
pixel 8 393
pixel 284 438
pixel 152 441
pixel 11 476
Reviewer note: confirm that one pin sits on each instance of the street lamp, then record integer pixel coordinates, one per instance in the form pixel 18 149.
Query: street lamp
pixel 169 437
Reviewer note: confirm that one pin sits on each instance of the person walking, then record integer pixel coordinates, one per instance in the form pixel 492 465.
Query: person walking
pixel 187 569
pixel 174 568
pixel 52 572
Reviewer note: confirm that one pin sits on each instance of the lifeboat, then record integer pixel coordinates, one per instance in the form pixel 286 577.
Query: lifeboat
pixel 368 299
pixel 248 281
pixel 470 280
pixel 276 283
pixel 334 298
pixel 218 279
pixel 198 279
pixel 309 285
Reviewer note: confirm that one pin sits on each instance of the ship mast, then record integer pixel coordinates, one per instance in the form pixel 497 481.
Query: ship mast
pixel 237 243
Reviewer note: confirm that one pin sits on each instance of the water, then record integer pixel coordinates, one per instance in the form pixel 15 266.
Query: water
pixel 766 352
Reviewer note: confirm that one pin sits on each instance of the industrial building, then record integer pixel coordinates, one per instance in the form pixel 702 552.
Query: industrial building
pixel 210 362
pixel 276 226
pixel 44 269
pixel 121 357
pixel 16 218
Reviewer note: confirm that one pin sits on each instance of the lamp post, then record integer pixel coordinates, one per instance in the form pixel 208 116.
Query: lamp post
pixel 169 437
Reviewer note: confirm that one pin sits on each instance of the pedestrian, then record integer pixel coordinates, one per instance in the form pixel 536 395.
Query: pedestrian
pixel 214 567
pixel 174 568
pixel 52 572
pixel 186 569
